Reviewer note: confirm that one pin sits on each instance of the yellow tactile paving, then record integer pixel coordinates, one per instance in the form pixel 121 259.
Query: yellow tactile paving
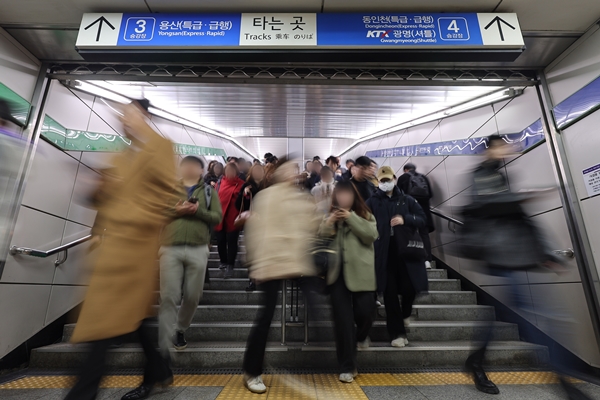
pixel 292 393
pixel 305 386
pixel 291 380
pixel 376 380
pixel 201 380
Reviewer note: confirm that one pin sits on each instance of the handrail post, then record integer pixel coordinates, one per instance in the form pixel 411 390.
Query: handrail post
pixel 283 311
pixel 305 319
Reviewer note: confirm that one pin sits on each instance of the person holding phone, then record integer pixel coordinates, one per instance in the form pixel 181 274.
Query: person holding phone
pixel 184 254
pixel 351 278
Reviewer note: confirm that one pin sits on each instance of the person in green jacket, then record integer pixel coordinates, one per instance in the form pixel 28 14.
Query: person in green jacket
pixel 351 278
pixel 185 247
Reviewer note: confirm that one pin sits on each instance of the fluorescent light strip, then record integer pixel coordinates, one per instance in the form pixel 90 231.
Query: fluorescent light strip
pixel 478 102
pixel 110 95
pixel 172 117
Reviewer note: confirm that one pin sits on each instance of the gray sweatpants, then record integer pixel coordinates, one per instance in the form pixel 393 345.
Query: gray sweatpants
pixel 181 268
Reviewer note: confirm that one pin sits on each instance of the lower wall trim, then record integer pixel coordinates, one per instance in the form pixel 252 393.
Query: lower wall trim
pixel 575 365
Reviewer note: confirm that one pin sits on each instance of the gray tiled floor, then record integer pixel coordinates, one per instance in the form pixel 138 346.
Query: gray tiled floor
pixel 468 392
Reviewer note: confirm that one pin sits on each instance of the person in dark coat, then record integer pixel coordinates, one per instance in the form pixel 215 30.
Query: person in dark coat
pixel 315 175
pixel 360 177
pixel 396 275
pixel 254 184
pixel 498 232
pixel 423 195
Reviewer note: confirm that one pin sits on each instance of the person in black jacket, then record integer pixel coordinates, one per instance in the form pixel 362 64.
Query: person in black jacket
pixel 396 275
pixel 360 177
pixel 254 184
pixel 315 175
pixel 423 194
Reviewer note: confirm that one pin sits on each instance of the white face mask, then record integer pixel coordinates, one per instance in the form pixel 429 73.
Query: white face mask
pixel 387 186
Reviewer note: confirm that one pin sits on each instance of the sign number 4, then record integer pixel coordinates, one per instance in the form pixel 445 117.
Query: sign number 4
pixel 453 29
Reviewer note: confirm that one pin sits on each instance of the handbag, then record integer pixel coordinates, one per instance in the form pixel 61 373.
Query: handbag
pixel 243 216
pixel 323 255
pixel 409 243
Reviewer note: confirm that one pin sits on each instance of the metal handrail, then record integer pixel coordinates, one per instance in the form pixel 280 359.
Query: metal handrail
pixel 14 250
pixel 447 218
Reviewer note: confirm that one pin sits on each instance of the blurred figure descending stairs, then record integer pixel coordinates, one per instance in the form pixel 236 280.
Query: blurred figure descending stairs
pixel 443 325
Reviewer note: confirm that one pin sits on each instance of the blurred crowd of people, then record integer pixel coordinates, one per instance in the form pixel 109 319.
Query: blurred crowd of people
pixel 356 232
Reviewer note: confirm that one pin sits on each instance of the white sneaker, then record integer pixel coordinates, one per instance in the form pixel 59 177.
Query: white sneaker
pixel 407 321
pixel 348 377
pixel 364 345
pixel 399 342
pixel 254 384
pixel 427 265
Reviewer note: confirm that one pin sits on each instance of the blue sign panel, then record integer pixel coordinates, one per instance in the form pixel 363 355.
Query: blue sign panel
pixel 398 30
pixel 366 30
pixel 521 141
pixel 173 30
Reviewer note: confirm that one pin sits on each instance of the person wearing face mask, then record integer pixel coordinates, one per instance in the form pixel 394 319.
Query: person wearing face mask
pixel 323 191
pixel 396 274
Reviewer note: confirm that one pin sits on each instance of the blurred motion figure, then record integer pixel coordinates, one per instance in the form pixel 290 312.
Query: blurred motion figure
pixel 134 209
pixel 278 238
pixel 498 232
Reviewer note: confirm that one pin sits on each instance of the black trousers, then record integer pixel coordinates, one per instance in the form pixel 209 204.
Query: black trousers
pixel 398 283
pixel 350 308
pixel 157 368
pixel 227 245
pixel 424 233
pixel 257 340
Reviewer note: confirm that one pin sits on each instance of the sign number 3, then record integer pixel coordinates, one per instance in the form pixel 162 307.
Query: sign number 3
pixel 141 26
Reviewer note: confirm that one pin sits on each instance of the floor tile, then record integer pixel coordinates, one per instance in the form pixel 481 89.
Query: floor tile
pixel 199 393
pixel 393 393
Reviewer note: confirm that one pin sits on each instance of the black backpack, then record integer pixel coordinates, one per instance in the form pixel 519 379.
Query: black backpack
pixel 417 185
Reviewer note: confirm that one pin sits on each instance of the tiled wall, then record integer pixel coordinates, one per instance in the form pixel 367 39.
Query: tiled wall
pixel 18 71
pixel 52 213
pixel 450 180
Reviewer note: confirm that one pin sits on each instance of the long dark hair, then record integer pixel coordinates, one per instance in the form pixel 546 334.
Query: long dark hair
pixel 250 179
pixel 212 166
pixel 359 206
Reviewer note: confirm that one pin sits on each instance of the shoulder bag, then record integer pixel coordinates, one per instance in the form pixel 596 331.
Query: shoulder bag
pixel 243 216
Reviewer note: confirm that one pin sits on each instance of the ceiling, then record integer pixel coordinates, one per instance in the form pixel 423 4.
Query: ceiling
pixel 310 111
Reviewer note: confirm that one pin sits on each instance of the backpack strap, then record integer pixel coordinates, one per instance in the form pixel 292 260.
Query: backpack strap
pixel 208 196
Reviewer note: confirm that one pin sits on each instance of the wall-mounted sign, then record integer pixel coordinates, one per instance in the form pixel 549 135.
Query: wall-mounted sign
pixel 591 178
pixel 300 30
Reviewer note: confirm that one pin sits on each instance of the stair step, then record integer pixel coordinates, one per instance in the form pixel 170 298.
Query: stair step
pixel 295 355
pixel 242 283
pixel 322 331
pixel 234 297
pixel 215 272
pixel 240 313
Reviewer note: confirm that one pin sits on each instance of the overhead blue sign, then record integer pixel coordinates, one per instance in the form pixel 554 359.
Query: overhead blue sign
pixel 398 30
pixel 179 30
pixel 289 30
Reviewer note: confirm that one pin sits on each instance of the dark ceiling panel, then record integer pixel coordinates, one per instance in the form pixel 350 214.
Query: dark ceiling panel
pixel 48 44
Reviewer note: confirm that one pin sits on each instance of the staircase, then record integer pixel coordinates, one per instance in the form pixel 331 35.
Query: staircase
pixel 444 321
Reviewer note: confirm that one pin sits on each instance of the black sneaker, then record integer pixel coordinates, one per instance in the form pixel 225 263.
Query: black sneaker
pixel 251 287
pixel 179 341
pixel 228 272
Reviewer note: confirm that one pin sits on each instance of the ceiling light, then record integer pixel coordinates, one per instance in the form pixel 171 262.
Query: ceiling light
pixel 473 104
pixel 191 124
pixel 99 91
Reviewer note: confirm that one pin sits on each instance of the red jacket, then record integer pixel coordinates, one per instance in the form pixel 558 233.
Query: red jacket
pixel 228 190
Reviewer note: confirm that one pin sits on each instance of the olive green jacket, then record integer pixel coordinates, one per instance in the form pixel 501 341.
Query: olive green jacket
pixel 193 230
pixel 353 242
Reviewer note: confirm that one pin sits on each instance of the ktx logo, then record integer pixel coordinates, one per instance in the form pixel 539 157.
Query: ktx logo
pixel 378 34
